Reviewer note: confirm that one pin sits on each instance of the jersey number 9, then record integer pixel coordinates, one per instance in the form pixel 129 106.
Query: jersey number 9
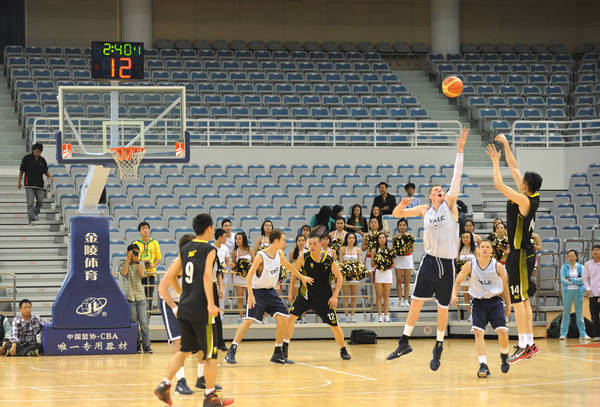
pixel 189 272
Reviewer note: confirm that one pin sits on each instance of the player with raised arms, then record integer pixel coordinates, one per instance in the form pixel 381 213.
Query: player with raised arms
pixel 520 262
pixel 436 272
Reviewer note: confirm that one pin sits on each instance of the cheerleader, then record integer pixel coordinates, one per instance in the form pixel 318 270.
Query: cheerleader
pixel 403 245
pixel 242 256
pixel 383 224
pixel 383 261
pixel 499 241
pixel 470 227
pixel 353 270
pixel 326 241
pixel 263 241
pixel 338 236
pixel 370 242
pixel 299 249
pixel 466 252
pixel 305 231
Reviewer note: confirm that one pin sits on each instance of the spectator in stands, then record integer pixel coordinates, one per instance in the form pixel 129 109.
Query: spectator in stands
pixel 224 257
pixel 263 241
pixel 336 212
pixel 24 333
pixel 150 256
pixel 242 256
pixel 571 277
pixel 383 224
pixel 34 167
pixel 410 193
pixel 4 334
pixel 134 273
pixel 591 282
pixel 356 222
pixel 349 253
pixel 321 223
pixel 470 227
pixel 386 202
pixel 227 226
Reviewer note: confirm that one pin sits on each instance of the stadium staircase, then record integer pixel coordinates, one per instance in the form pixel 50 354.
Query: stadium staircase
pixel 11 139
pixel 438 108
pixel 36 254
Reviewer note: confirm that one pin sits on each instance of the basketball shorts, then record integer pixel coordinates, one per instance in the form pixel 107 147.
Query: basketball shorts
pixel 199 337
pixel 435 277
pixel 519 267
pixel 170 322
pixel 488 310
pixel 267 301
pixel 301 305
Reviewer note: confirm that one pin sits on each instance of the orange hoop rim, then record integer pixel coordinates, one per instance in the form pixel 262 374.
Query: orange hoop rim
pixel 126 153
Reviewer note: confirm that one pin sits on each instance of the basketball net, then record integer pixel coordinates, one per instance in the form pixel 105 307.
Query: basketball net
pixel 128 160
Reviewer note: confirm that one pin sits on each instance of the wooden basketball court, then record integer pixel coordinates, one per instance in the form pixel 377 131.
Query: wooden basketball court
pixel 558 376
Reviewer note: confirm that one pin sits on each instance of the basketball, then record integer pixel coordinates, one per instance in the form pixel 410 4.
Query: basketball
pixel 452 86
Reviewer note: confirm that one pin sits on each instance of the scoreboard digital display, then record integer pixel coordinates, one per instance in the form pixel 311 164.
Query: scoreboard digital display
pixel 117 60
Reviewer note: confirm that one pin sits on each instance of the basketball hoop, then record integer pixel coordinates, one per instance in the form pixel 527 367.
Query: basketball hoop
pixel 128 160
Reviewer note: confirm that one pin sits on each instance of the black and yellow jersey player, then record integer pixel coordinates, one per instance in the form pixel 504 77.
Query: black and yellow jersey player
pixel 319 296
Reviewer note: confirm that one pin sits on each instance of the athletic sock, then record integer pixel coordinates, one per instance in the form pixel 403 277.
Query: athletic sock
pixel 234 343
pixel 504 351
pixel 209 391
pixel 166 381
pixel 408 330
pixel 180 373
pixel 200 369
pixel 287 341
pixel 529 339
pixel 440 335
pixel 278 345
pixel 483 359
pixel 522 340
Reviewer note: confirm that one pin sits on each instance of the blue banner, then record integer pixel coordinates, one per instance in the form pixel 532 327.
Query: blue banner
pixel 90 297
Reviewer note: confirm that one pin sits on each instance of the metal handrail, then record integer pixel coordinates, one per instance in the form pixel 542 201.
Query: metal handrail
pixel 576 129
pixel 251 132
pixel 12 300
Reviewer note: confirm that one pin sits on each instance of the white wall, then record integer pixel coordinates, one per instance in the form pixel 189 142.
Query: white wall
pixel 320 155
pixel 556 165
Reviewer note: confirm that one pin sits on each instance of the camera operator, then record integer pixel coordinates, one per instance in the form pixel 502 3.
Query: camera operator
pixel 133 271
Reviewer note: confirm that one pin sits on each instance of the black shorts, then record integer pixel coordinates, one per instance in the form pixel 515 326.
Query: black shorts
pixel 519 267
pixel 267 301
pixel 488 310
pixel 170 322
pixel 198 337
pixel 435 277
pixel 301 305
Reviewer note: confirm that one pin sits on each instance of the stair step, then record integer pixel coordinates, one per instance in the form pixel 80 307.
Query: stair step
pixel 29 231
pixel 47 249
pixel 32 255
pixel 16 266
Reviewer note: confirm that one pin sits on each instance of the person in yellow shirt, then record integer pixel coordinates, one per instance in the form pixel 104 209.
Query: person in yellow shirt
pixel 150 256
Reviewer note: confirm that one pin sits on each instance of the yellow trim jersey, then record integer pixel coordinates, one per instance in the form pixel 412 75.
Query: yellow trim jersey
pixel 519 227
